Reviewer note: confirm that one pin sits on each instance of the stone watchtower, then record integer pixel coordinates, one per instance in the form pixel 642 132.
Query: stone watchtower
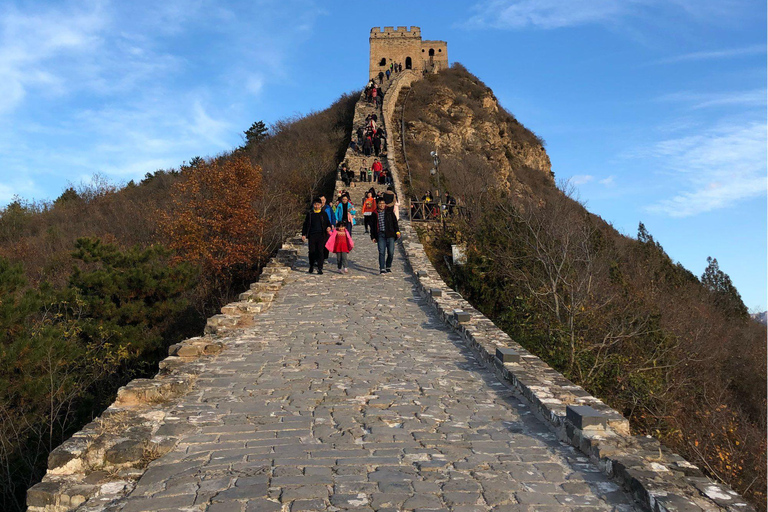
pixel 404 46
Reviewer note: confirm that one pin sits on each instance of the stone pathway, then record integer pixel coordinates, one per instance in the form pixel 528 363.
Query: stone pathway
pixel 350 394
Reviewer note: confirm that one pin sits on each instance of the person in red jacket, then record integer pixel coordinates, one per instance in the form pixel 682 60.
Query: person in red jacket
pixel 369 208
pixel 376 168
pixel 340 242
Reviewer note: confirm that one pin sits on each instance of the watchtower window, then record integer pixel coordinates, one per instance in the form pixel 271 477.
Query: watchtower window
pixel 383 61
pixel 431 52
pixel 408 63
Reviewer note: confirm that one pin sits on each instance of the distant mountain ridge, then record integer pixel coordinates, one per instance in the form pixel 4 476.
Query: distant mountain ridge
pixel 760 317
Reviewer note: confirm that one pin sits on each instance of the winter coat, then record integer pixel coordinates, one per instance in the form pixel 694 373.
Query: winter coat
pixel 308 223
pixel 331 243
pixel 330 213
pixel 391 227
pixel 369 205
pixel 350 213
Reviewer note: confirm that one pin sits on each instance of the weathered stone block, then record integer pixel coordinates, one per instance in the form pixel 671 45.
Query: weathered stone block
pixel 129 451
pixel 584 416
pixel 436 292
pixel 507 355
pixel 76 495
pixel 43 494
pixel 213 348
pixel 188 350
pixel 461 316
pixel 230 309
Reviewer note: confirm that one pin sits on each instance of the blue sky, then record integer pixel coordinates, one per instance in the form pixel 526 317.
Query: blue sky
pixel 655 109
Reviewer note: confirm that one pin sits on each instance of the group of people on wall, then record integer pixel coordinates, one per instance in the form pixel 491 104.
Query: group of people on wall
pixel 375 173
pixel 370 139
pixel 328 229
pixel 387 73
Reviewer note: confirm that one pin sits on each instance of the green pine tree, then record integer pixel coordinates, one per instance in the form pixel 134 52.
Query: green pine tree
pixel 727 298
pixel 256 133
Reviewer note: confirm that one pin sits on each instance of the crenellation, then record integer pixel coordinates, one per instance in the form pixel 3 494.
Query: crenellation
pixel 403 45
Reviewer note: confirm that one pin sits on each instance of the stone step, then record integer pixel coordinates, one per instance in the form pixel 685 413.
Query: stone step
pixel 265 286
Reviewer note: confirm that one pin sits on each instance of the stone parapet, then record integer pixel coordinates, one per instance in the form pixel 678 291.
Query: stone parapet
pixel 105 459
pixel 659 479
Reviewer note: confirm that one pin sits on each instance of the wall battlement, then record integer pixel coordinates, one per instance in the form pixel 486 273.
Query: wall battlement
pixel 403 46
pixel 388 32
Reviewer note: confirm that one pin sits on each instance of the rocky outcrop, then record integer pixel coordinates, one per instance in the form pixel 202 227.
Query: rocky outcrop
pixel 455 124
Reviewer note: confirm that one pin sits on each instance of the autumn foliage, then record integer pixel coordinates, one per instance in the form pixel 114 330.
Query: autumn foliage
pixel 96 284
pixel 212 221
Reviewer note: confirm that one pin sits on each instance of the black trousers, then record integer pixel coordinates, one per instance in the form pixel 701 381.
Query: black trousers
pixel 316 249
pixel 368 219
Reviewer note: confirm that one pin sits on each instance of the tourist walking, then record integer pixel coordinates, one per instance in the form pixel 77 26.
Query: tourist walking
pixel 376 168
pixel 391 201
pixel 340 242
pixel 345 211
pixel 325 206
pixel 384 232
pixel 316 230
pixel 369 209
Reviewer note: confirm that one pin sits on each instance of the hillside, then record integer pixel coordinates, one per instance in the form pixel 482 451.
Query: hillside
pixel 96 285
pixel 677 355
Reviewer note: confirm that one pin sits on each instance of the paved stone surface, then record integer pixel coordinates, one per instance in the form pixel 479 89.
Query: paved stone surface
pixel 350 394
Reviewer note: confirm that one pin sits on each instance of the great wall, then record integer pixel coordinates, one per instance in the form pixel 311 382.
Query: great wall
pixel 363 392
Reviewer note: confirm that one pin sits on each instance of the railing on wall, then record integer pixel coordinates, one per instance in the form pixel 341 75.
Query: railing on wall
pixel 430 211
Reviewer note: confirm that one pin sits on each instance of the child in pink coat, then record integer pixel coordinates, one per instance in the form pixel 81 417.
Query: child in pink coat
pixel 340 242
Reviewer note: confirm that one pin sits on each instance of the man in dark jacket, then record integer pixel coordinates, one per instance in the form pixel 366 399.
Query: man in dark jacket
pixel 317 228
pixel 384 231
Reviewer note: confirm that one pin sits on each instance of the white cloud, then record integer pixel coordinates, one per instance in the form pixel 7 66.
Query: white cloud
pixel 609 181
pixel 581 179
pixel 212 130
pixel 553 14
pixel 753 98
pixel 715 54
pixel 717 168
pixel 255 84
pixel 30 45
pixel 546 14
pixel 18 187
pixel 125 88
